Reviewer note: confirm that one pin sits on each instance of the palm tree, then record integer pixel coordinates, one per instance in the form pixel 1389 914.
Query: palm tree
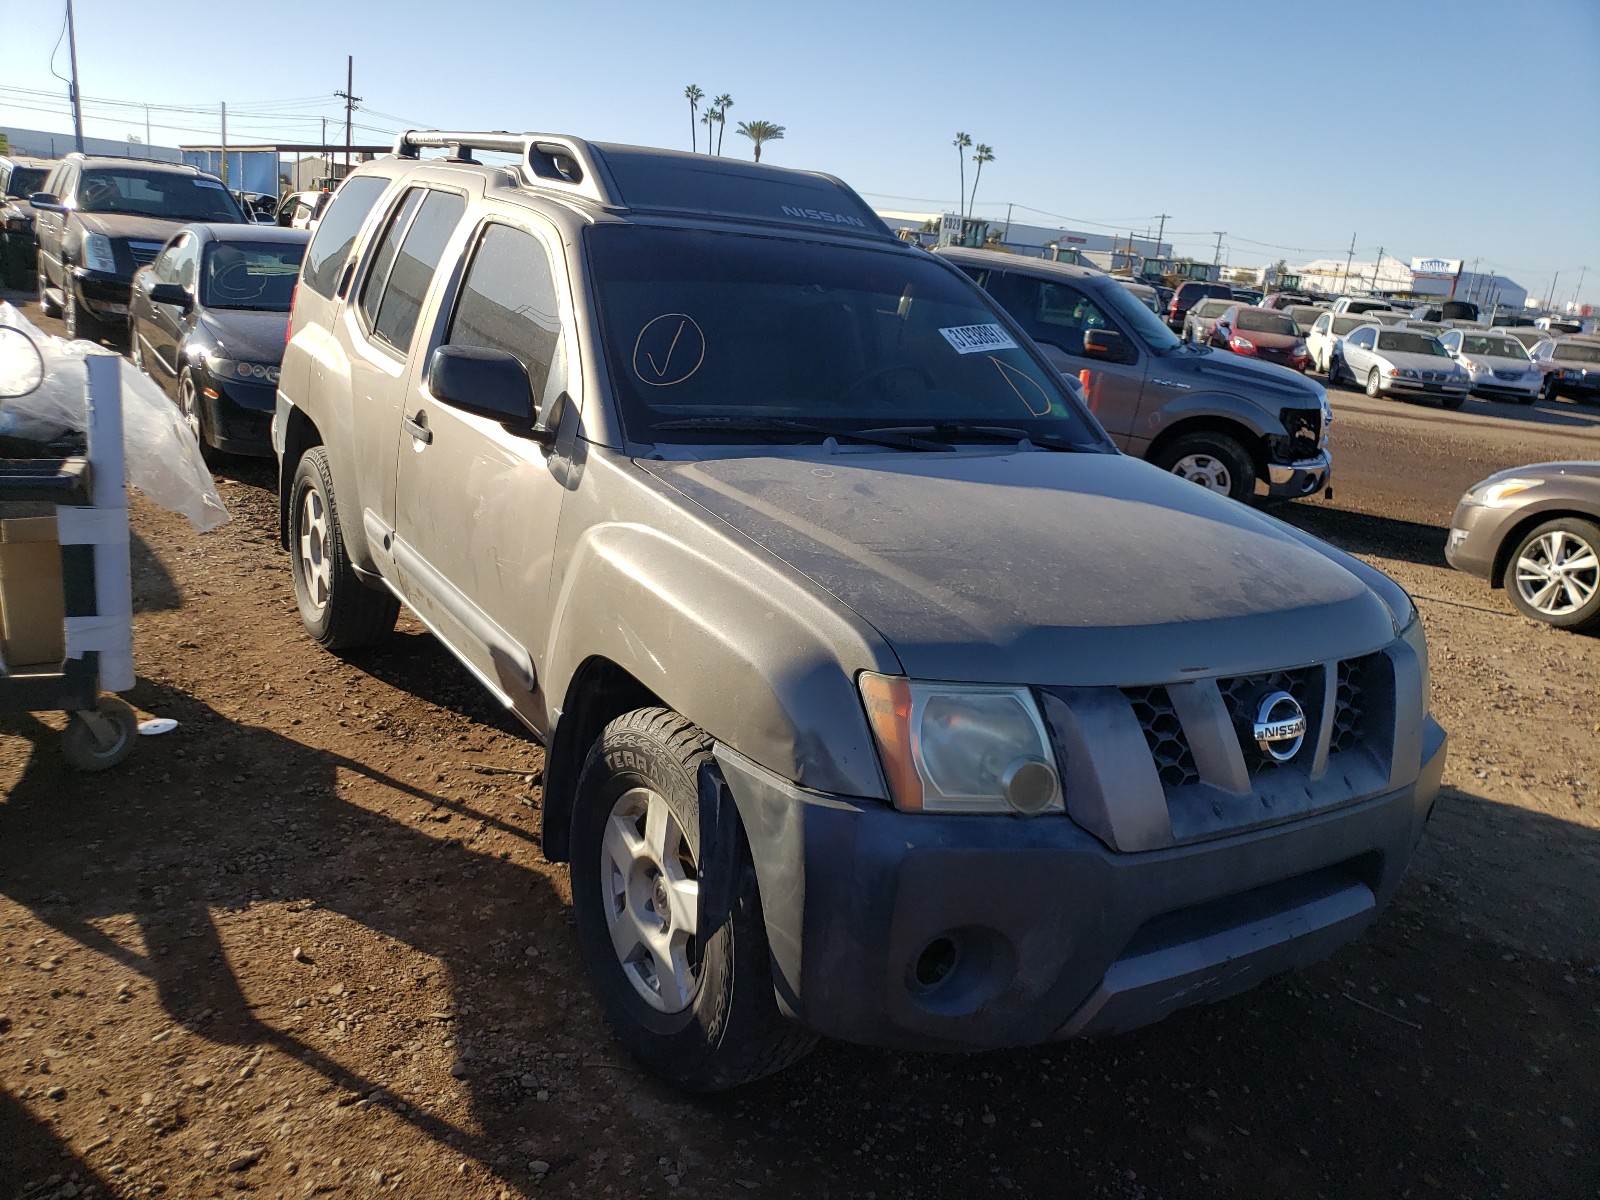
pixel 693 95
pixel 761 131
pixel 981 154
pixel 709 121
pixel 961 143
pixel 723 102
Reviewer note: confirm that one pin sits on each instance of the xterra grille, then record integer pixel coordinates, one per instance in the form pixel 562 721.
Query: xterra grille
pixel 1164 734
pixel 1243 695
pixel 1350 705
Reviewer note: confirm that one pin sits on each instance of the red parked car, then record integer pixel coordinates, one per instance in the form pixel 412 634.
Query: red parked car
pixel 1261 333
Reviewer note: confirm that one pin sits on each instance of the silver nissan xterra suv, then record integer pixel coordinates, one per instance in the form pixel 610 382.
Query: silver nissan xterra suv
pixel 882 698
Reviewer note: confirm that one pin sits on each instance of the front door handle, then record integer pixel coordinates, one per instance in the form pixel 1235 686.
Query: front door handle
pixel 417 427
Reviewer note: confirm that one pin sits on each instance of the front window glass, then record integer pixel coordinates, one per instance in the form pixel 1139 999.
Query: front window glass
pixel 746 328
pixel 414 266
pixel 1402 341
pixel 1574 352
pixel 25 181
pixel 1150 328
pixel 170 195
pixel 508 302
pixel 253 275
pixel 1260 320
pixel 1493 347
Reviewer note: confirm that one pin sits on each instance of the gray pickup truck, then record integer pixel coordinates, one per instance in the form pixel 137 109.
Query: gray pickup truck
pixel 882 697
pixel 1244 428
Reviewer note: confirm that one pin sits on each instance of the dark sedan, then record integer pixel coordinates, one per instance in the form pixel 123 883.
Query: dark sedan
pixel 207 321
pixel 1261 333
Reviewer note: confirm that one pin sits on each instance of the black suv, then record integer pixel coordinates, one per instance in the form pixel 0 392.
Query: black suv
pixel 1188 295
pixel 99 220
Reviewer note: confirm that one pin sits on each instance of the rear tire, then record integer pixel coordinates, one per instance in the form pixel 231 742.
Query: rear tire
pixel 1567 548
pixel 1215 461
pixel 699 1014
pixel 339 611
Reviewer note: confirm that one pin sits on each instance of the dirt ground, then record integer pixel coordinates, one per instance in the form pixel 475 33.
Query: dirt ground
pixel 306 945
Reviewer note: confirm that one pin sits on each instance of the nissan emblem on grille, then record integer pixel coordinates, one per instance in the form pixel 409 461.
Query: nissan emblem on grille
pixel 1280 726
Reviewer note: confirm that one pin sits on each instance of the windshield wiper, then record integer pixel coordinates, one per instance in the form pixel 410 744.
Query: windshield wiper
pixel 786 425
pixel 947 430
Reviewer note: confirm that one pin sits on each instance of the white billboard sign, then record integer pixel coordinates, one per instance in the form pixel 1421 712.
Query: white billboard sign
pixel 1436 268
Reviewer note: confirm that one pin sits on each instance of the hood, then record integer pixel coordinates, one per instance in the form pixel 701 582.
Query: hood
pixel 1419 362
pixel 1497 362
pixel 1269 340
pixel 1546 470
pixel 1043 568
pixel 247 335
pixel 1219 370
pixel 126 225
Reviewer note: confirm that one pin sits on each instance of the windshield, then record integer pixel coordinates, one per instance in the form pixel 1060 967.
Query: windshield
pixel 1305 315
pixel 1361 306
pixel 1492 347
pixel 748 329
pixel 1402 341
pixel 1576 353
pixel 1343 325
pixel 1263 320
pixel 170 195
pixel 254 275
pixel 25 181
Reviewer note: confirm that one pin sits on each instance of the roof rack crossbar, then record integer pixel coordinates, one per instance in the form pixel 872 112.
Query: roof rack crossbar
pixel 552 161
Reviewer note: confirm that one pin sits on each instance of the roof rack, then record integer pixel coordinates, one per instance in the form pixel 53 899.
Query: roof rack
pixel 554 161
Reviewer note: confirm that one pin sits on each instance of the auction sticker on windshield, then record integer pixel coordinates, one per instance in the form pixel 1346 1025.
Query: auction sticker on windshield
pixel 974 339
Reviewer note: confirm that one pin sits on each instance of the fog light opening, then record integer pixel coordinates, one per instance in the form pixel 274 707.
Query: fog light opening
pixel 936 963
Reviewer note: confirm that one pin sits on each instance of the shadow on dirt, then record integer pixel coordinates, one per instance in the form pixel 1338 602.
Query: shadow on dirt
pixel 31 1155
pixel 1364 533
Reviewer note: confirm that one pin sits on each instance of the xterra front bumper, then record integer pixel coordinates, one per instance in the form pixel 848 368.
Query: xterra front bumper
pixel 967 932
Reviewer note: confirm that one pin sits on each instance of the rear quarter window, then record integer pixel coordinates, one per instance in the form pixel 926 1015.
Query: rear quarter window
pixel 330 245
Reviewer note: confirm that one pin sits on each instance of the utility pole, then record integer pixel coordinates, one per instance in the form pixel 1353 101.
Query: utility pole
pixel 1159 231
pixel 1377 267
pixel 327 158
pixel 1577 292
pixel 349 104
pixel 224 143
pixel 1006 236
pixel 1216 256
pixel 77 103
pixel 1348 259
pixel 1550 299
pixel 147 131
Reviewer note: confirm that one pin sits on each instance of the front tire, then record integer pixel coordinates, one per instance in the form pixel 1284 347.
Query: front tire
pixel 1374 384
pixel 194 413
pixel 1215 461
pixel 1554 574
pixel 698 1012
pixel 339 611
pixel 46 305
pixel 80 325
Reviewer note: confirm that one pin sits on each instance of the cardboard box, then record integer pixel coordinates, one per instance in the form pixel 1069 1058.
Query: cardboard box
pixel 32 608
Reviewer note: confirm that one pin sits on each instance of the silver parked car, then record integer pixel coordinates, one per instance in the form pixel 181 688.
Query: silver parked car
pixel 1497 365
pixel 1535 531
pixel 882 697
pixel 1328 330
pixel 1201 319
pixel 1400 361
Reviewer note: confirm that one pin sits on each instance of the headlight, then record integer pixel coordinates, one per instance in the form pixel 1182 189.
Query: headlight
pixel 1495 494
pixel 246 372
pixel 961 748
pixel 1412 636
pixel 1406 373
pixel 1299 348
pixel 97 253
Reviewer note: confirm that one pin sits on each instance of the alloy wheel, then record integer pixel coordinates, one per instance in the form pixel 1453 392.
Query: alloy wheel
pixel 1558 573
pixel 190 404
pixel 651 894
pixel 315 567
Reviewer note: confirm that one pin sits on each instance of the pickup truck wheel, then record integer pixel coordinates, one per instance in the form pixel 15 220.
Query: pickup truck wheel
pixel 1374 383
pixel 1554 574
pixel 46 305
pixel 698 1011
pixel 1215 461
pixel 338 610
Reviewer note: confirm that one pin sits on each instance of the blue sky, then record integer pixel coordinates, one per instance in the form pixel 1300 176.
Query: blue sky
pixel 1451 128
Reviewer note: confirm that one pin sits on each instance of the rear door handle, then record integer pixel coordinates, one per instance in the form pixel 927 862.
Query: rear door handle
pixel 417 427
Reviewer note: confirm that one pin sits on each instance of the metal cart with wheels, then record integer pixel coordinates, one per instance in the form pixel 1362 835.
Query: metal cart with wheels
pixel 84 497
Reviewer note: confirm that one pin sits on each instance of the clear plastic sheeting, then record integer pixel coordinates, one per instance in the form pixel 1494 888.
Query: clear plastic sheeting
pixel 44 396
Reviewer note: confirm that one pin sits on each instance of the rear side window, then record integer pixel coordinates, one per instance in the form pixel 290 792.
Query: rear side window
pixel 330 247
pixel 508 302
pixel 398 282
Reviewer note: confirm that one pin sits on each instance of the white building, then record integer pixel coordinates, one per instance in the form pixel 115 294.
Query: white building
pixel 1036 240
pixel 1433 277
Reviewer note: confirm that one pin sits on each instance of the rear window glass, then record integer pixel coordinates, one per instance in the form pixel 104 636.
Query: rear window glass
pixel 330 247
pixel 1574 352
pixel 407 285
pixel 1260 320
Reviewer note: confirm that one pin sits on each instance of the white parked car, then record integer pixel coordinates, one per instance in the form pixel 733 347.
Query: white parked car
pixel 1328 331
pixel 1400 361
pixel 1362 304
pixel 1497 365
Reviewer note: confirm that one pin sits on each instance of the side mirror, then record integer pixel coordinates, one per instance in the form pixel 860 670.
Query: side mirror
pixel 171 293
pixel 486 383
pixel 47 202
pixel 1107 344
